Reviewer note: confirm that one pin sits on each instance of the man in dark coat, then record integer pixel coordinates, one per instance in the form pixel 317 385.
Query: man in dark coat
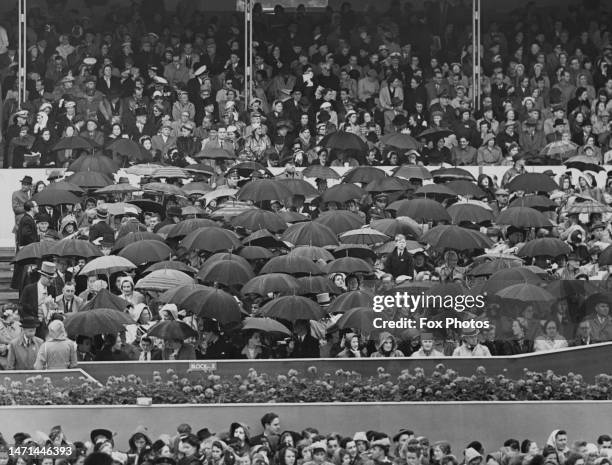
pixel 303 344
pixel 27 232
pixel 100 228
pixel 38 299
pixel 399 262
pixel 214 346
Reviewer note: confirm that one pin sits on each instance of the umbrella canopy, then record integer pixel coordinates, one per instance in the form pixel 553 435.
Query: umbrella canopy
pixel 355 250
pixel 228 256
pixel 55 197
pixel 98 163
pixel 75 248
pixel 532 182
pixel 263 189
pixel 264 238
pixel 310 233
pixel 454 237
pixel 343 140
pixel 131 226
pixel 393 226
pixel 253 252
pixel 320 172
pixel 215 154
pixel 435 191
pixel 525 292
pixel 35 251
pixel 136 236
pixel 363 174
pixel 435 133
pixel 564 288
pixel 185 227
pixel 162 280
pixel 388 184
pixel 448 174
pixel 340 221
pixel 149 206
pixel 122 208
pixel 539 202
pixel 299 187
pixel 163 188
pixel 211 239
pixel 469 212
pixel 523 217
pixel 289 216
pixel 107 265
pixel 265 325
pixel 291 265
pixel 293 308
pixel 489 267
pixel 145 169
pixel 200 168
pixel 548 246
pixel 90 179
pixel 388 247
pixel 73 143
pixel 281 283
pixel 589 206
pixel 342 193
pixel 230 209
pixel 349 300
pixel 171 265
pixel 560 150
pixel 131 150
pixel 226 272
pixel 197 187
pixel 466 188
pixel 317 285
pixel 349 265
pixel 105 299
pixel 187 296
pixel 219 305
pixel 412 172
pixel 423 210
pixel 506 277
pixel 191 210
pixel 256 219
pixel 363 235
pixel 219 193
pixel 170 172
pixel 172 330
pixel 65 186
pixel 311 252
pixel 246 168
pixel 97 321
pixel 605 257
pixel 146 251
pixel 583 163
pixel 401 141
pixel 358 318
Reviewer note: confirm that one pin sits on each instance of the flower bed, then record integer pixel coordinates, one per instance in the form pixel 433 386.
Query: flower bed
pixel 342 386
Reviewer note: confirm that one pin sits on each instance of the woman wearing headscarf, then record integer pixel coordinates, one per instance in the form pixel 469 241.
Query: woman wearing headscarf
pixel 141 314
pixel 57 352
pixel 386 347
pixel 128 293
pixel 351 346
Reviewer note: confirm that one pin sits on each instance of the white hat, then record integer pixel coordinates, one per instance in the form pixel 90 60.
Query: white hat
pixel 201 70
pixel 160 80
pixel 90 61
pixel 326 105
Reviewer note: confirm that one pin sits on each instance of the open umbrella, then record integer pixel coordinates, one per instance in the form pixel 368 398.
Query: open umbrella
pixel 469 212
pixel 539 202
pixel 200 168
pixel 73 143
pixel 90 179
pixel 226 272
pixel 349 265
pixel 525 292
pixel 523 217
pixel 506 277
pixel 230 209
pixel 342 193
pixel 220 256
pixel 98 163
pixel 185 227
pixel 136 236
pixel 65 186
pixel 211 239
pixel 55 197
pixel 589 206
pixel 147 251
pixel 388 184
pixel 256 219
pixel 197 188
pixel 107 265
pixel 264 238
pixel 172 330
pixel 320 172
pixel 532 182
pixel 363 174
pixel 489 267
pixel 105 299
pixel 423 210
pixel 170 172
pixel 281 283
pixel 219 305
pixel 358 318
pixel 171 265
pixel 311 252
pixel 343 140
pixel 293 308
pixel 291 265
pixel 362 251
pixel 148 206
pixel 448 174
pixel 144 169
pixel 122 208
pixel 435 191
pixel 393 226
pixel 36 251
pixel 313 285
pixel 246 168
pixel 265 325
pixel 548 246
pixel 215 154
pixel 75 248
pixel 186 296
pixel 454 237
pixel 299 187
pixel 163 188
pixel 253 252
pixel 435 133
pixel 560 150
pixel 412 172
pixel 263 189
pixel 121 188
pixel 401 141
pixel 466 188
pixel 349 300
pixel 570 288
pixel 97 321
pixel 583 163
pixel 162 280
pixel 363 235
pixel 130 150
pixel 340 221
pixel 605 257
pixel 310 233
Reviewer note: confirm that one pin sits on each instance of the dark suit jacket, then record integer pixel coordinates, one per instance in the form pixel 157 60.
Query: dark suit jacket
pixel 397 265
pixel 309 348
pixel 27 233
pixel 29 299
pixel 115 85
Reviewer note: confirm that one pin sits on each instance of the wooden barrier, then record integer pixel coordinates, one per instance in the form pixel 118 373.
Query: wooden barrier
pixel 459 423
pixel 588 361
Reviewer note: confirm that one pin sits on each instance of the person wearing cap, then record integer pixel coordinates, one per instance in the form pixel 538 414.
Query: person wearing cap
pixel 599 319
pixel 27 230
pixel 427 347
pixel 22 351
pixel 489 154
pixel 18 199
pixel 470 347
pixel 531 138
pixel 100 226
pixel 19 146
pixel 176 72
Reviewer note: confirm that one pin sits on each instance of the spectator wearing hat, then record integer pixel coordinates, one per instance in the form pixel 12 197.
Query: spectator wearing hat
pixel 164 141
pixel 599 320
pixel 141 126
pixel 19 147
pixel 427 347
pixel 100 227
pixel 489 154
pixel 551 339
pixel 186 144
pixel 37 299
pixel 27 231
pixel 19 119
pixel 531 138
pixel 508 137
pixel 470 347
pixel 183 105
pixel 19 198
pixel 22 350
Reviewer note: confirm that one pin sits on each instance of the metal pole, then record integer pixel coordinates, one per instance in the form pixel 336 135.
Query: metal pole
pixel 20 51
pixel 246 53
pixel 249 70
pixel 476 53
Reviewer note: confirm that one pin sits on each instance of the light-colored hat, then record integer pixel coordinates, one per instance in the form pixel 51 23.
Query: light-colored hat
pixel 201 70
pixel 47 269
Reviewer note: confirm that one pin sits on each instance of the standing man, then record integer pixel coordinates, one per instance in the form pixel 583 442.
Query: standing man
pixel 399 262
pixel 27 230
pixel 22 350
pixel 37 299
pixel 68 302
pixel 18 198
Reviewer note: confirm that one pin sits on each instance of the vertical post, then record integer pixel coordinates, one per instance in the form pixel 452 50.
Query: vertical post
pixel 22 50
pixel 476 53
pixel 246 53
